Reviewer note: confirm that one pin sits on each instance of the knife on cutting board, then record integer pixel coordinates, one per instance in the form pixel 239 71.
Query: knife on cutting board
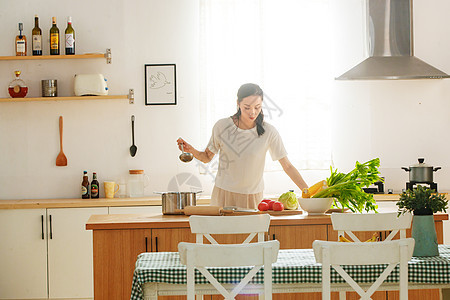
pixel 210 210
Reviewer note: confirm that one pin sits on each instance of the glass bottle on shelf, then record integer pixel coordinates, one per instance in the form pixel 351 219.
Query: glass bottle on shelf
pixel 70 38
pixel 94 187
pixel 85 186
pixel 54 38
pixel 21 42
pixel 37 37
pixel 17 88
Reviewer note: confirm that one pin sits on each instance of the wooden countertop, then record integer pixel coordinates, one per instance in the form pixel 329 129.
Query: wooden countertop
pixel 147 221
pixel 102 202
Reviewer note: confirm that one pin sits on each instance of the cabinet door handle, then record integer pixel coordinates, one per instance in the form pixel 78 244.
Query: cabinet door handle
pixel 273 237
pixel 146 241
pixel 156 243
pixel 51 228
pixel 42 226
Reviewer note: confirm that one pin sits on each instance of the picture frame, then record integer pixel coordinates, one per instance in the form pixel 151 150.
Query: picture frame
pixel 160 84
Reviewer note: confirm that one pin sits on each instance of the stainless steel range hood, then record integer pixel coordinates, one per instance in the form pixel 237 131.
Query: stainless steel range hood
pixel 390 45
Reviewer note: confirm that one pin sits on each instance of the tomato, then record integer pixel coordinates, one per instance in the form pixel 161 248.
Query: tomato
pixel 271 202
pixel 278 206
pixel 266 200
pixel 263 206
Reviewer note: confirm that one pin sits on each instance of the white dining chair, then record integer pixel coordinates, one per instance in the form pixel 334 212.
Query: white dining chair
pixel 253 225
pixel 350 223
pixel 201 256
pixel 337 254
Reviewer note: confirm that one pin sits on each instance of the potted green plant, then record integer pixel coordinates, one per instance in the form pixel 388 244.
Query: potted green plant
pixel 423 202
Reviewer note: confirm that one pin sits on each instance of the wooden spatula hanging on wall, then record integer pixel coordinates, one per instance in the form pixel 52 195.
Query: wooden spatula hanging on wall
pixel 61 159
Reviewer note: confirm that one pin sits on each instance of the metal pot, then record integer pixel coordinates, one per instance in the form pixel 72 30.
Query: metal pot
pixel 421 172
pixel 173 203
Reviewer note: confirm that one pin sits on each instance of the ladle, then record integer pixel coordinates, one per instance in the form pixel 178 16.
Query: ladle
pixel 133 148
pixel 185 156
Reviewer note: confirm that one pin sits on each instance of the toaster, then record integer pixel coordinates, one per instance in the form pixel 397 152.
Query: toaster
pixel 90 85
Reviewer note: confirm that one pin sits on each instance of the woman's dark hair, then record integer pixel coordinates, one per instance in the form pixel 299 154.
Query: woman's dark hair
pixel 251 89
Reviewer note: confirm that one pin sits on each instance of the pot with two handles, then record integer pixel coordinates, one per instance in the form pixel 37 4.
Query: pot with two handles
pixel 173 203
pixel 421 172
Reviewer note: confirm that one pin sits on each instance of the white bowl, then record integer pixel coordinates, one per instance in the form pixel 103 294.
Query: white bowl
pixel 315 206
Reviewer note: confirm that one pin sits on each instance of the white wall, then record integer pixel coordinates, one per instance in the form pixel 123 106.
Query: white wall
pixel 397 121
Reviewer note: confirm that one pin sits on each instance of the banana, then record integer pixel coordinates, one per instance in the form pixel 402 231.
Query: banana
pixel 344 239
pixel 374 238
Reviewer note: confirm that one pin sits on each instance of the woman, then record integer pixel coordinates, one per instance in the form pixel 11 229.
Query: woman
pixel 242 141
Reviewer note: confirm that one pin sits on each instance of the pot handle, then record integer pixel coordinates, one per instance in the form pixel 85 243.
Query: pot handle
pixel 437 168
pixel 406 169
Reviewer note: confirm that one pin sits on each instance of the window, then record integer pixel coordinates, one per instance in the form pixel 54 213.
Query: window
pixel 284 46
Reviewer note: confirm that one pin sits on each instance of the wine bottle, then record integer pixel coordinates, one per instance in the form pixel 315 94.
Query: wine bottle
pixel 37 37
pixel 21 42
pixel 70 38
pixel 54 38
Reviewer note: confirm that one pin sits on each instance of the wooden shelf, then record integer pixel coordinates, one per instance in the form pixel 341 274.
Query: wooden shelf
pixel 43 57
pixel 108 97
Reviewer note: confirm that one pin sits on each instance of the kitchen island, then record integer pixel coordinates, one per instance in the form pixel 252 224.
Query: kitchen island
pixel 118 239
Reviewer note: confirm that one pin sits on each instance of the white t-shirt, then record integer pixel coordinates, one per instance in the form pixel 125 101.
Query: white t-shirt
pixel 242 155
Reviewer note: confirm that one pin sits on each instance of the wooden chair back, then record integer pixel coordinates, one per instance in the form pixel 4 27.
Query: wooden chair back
pixel 336 254
pixel 253 225
pixel 201 256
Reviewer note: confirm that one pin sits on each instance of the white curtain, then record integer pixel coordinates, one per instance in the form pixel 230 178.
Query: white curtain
pixel 284 46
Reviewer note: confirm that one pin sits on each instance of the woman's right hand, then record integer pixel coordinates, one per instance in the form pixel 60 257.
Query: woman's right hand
pixel 187 147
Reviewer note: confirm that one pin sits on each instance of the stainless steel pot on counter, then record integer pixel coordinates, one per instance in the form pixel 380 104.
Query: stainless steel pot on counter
pixel 421 172
pixel 173 203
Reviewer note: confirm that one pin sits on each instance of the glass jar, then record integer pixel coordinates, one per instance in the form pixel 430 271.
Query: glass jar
pixel 17 88
pixel 137 181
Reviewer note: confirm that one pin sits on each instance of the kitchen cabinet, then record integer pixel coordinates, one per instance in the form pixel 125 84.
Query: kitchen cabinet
pixel 297 236
pixel 70 260
pixel 106 55
pixel 23 254
pixel 46 253
pixel 118 250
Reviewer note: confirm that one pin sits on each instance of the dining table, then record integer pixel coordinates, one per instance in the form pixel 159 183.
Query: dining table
pixel 295 271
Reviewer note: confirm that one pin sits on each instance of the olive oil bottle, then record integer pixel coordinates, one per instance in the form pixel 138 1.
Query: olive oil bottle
pixel 54 38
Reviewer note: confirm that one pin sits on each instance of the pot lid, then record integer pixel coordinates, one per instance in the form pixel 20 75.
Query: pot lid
pixel 421 164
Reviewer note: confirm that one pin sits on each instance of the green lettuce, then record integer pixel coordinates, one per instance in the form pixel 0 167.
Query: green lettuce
pixel 289 200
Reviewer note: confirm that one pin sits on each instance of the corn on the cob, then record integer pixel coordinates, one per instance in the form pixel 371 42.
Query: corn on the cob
pixel 317 187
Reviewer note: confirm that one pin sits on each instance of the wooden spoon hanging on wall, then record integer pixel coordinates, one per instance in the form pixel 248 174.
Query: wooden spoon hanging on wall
pixel 61 159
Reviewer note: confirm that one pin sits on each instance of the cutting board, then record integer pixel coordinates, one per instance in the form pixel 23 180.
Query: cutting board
pixel 270 212
pixel 216 211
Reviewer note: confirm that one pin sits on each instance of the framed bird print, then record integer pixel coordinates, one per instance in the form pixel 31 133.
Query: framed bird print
pixel 160 84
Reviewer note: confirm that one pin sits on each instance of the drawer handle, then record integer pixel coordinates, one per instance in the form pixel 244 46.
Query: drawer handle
pixel 51 227
pixel 42 226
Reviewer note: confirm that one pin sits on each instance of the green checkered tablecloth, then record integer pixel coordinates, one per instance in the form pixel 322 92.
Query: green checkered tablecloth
pixel 292 266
